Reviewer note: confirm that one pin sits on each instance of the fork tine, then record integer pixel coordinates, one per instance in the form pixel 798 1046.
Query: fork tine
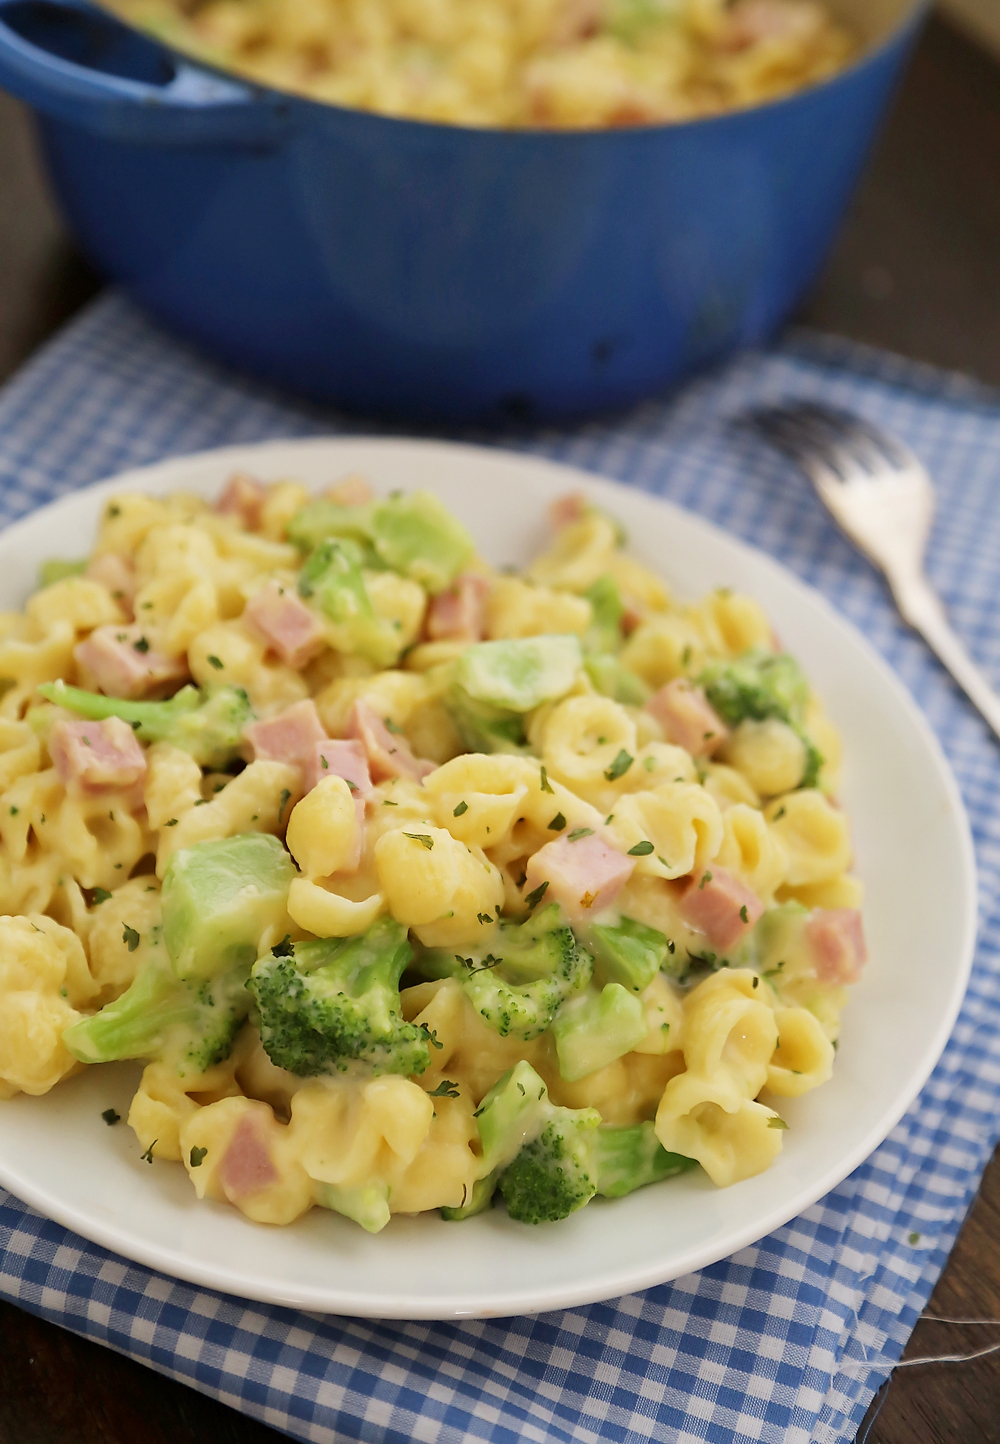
pixel 813 433
pixel 864 439
pixel 792 429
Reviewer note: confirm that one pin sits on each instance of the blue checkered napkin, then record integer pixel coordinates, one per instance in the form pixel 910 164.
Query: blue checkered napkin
pixel 786 1341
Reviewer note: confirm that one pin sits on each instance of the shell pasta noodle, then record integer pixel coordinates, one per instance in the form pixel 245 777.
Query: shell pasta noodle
pixel 565 64
pixel 412 884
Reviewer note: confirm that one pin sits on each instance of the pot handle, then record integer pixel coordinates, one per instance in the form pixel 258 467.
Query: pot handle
pixel 147 95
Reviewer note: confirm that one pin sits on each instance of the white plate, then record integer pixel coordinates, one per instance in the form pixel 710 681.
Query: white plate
pixel 914 853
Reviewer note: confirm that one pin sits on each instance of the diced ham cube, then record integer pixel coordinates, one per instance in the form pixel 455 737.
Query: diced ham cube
pixel 246 1165
pixel 117 573
pixel 752 22
pixel 687 717
pixel 567 509
pixel 243 497
pixel 837 940
pixel 389 754
pixel 96 755
pixel 458 615
pixel 721 906
pixel 120 662
pixel 340 758
pixel 285 623
pixel 290 737
pixel 352 491
pixel 584 876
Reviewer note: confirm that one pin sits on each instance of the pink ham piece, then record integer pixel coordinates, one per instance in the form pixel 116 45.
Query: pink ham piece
pixel 720 905
pixel 687 717
pixel 340 758
pixel 246 1165
pixel 837 940
pixel 584 876
pixel 458 615
pixel 117 574
pixel 352 491
pixel 120 662
pixel 567 509
pixel 96 755
pixel 285 623
pixel 243 497
pixel 753 22
pixel 290 737
pixel 389 754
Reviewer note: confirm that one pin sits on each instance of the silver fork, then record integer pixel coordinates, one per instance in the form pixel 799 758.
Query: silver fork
pixel 882 497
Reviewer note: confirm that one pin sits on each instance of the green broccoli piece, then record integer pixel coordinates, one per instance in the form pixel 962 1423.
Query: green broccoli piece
pixel 328 1003
pixel 478 1200
pixel 208 725
pixel 616 681
pixel 595 1028
pixel 413 534
pixel 495 684
pixel 55 570
pixel 629 20
pixel 416 535
pixel 332 581
pixel 554 1174
pixel 220 897
pixel 628 1158
pixel 192 1025
pixel 760 685
pixel 537 966
pixel 604 635
pixel 549 1161
pixel 632 954
pixel 321 520
pixel 367 1204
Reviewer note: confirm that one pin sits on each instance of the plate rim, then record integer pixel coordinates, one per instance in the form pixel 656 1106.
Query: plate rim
pixel 327 1300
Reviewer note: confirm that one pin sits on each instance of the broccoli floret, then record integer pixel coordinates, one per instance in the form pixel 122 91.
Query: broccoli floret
pixel 192 1025
pixel 538 1154
pixel 632 954
pixel 554 1174
pixel 495 684
pixel 629 1158
pixel 413 534
pixel 550 1161
pixel 328 1003
pixel 208 725
pixel 759 685
pixel 331 579
pixel 536 967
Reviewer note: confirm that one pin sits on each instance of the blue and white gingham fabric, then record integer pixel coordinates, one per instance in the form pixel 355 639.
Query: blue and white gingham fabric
pixel 786 1341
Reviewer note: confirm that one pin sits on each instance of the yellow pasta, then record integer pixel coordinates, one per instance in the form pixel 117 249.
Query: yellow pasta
pixel 351 912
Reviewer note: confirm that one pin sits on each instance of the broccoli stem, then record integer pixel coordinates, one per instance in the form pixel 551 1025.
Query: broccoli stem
pixel 159 1016
pixel 208 726
pixel 631 1157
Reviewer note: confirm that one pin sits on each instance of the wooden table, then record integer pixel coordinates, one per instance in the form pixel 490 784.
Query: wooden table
pixel 917 270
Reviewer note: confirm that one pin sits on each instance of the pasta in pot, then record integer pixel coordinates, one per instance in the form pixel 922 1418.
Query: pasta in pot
pixel 414 886
pixel 566 64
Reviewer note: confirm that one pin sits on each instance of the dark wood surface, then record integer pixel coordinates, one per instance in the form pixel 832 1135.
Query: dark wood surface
pixel 917 270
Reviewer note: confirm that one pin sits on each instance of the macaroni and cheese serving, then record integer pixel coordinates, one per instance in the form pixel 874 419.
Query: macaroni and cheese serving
pixel 414 884
pixel 551 63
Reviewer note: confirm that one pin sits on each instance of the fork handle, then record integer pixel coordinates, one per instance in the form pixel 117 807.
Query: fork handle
pixel 921 607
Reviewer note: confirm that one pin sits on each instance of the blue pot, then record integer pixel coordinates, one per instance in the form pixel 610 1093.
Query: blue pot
pixel 435 271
